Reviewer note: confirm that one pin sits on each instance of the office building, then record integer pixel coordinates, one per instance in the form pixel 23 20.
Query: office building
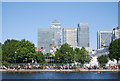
pixel 116 33
pixel 55 24
pixel 83 35
pixel 50 39
pixel 70 36
pixel 104 38
pixel 45 39
pixel 56 28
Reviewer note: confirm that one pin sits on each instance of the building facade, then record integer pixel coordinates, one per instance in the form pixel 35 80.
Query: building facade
pixel 70 36
pixel 45 39
pixel 104 38
pixel 83 35
pixel 50 39
pixel 116 33
pixel 56 28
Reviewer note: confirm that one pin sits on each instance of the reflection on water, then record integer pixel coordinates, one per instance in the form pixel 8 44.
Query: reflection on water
pixel 59 75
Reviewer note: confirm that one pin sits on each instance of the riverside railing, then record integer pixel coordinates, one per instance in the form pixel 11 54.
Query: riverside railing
pixel 46 64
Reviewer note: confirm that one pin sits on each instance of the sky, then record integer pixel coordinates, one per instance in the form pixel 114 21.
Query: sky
pixel 22 19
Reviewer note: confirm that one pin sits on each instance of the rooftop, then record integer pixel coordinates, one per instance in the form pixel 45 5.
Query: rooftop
pixel 55 21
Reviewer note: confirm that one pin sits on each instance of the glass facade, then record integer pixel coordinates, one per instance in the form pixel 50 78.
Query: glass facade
pixel 45 39
pixel 83 35
pixel 57 37
pixel 50 39
pixel 104 39
pixel 116 33
pixel 70 36
pixel 56 28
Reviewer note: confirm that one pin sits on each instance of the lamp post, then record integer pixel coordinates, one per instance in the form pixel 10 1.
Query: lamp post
pixel 26 60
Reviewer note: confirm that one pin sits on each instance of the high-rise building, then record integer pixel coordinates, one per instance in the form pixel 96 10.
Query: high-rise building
pixel 45 39
pixel 104 38
pixel 50 39
pixel 55 24
pixel 70 36
pixel 83 35
pixel 56 28
pixel 116 33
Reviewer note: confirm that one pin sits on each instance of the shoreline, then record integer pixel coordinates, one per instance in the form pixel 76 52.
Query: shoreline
pixel 55 70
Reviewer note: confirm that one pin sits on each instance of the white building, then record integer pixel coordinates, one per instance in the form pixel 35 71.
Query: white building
pixel 102 51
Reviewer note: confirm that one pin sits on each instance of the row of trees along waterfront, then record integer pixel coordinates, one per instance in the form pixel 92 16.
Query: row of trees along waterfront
pixel 14 51
pixel 23 51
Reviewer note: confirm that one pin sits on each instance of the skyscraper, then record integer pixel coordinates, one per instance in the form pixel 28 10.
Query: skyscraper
pixel 70 36
pixel 56 28
pixel 45 39
pixel 50 39
pixel 104 38
pixel 55 24
pixel 83 35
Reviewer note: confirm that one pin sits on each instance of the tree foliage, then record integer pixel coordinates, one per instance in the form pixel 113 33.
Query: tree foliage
pixel 39 57
pixel 114 50
pixel 103 59
pixel 82 56
pixel 65 54
pixel 24 50
pixel 14 51
pixel 8 50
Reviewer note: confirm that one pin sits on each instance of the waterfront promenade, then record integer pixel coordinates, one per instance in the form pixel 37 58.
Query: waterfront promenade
pixel 57 70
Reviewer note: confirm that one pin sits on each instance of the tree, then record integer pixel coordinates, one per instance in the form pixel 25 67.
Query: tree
pixel 65 54
pixel 114 50
pixel 82 56
pixel 24 50
pixel 103 59
pixel 8 50
pixel 0 44
pixel 39 57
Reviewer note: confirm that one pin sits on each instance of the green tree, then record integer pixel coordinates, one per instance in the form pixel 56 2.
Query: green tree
pixel 0 44
pixel 24 50
pixel 82 56
pixel 65 54
pixel 39 57
pixel 114 50
pixel 8 50
pixel 103 59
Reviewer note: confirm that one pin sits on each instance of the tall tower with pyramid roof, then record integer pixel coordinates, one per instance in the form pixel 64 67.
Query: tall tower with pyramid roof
pixel 56 28
pixel 55 24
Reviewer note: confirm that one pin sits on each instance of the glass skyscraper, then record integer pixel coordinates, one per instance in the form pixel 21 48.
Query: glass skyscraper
pixel 45 39
pixel 50 39
pixel 70 36
pixel 83 35
pixel 56 28
pixel 104 38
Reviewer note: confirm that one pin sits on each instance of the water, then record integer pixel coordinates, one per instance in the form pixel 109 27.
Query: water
pixel 59 75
